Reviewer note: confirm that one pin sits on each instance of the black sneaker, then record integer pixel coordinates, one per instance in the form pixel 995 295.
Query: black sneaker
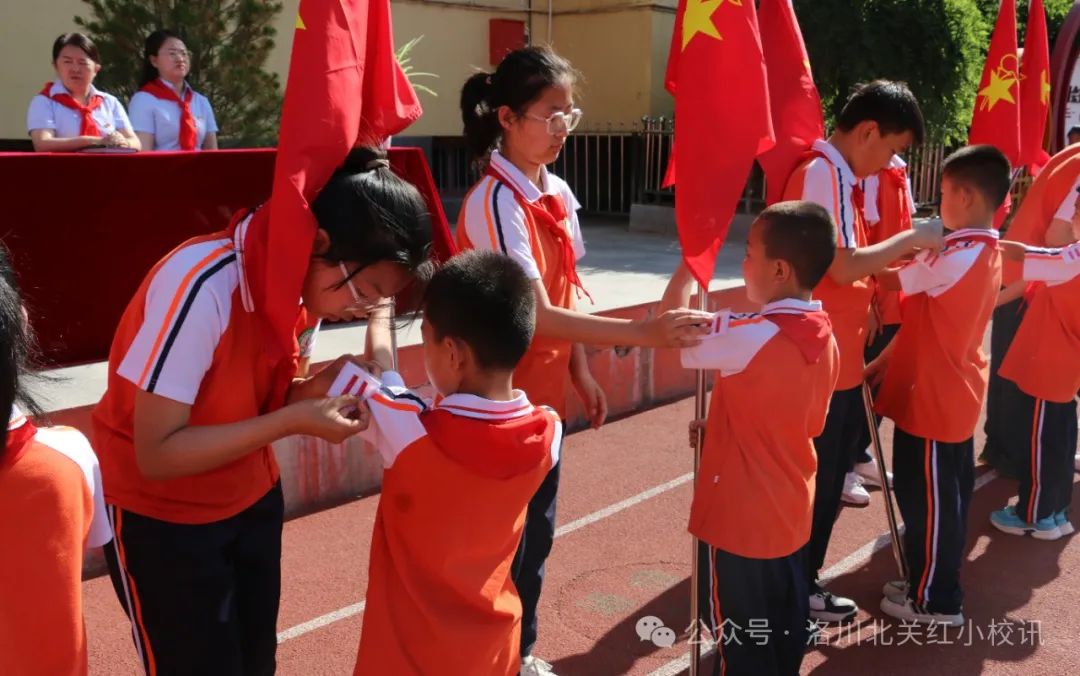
pixel 825 607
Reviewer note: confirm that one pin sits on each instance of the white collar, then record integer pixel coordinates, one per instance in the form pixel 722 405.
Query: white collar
pixel 830 151
pixel 517 178
pixel 897 162
pixel 16 419
pixel 472 406
pixel 187 87
pixel 791 306
pixel 966 233
pixel 59 88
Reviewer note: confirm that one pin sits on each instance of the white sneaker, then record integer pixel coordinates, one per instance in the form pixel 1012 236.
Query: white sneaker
pixel 534 666
pixel 854 494
pixel 904 609
pixel 825 607
pixel 868 472
pixel 895 589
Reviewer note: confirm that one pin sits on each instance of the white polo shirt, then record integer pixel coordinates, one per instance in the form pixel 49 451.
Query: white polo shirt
pixel 151 115
pixel 44 113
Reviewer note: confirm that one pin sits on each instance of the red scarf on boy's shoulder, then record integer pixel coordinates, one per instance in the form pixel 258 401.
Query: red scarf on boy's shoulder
pixel 20 433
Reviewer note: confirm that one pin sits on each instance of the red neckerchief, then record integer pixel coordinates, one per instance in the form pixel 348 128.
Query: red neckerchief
pixel 810 331
pixel 549 212
pixel 897 177
pixel 88 127
pixel 1030 290
pixel 250 245
pixel 19 435
pixel 189 133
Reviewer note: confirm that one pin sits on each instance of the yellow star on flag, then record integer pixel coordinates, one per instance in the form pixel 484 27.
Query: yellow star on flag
pixel 697 18
pixel 1045 87
pixel 300 22
pixel 999 89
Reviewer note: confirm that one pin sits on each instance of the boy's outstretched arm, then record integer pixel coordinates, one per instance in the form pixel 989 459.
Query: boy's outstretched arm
pixel 679 290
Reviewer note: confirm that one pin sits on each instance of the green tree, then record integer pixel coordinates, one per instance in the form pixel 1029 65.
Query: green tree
pixel 1055 15
pixel 936 46
pixel 229 41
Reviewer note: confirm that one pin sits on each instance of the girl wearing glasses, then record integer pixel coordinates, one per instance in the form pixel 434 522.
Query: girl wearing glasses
pixel 70 113
pixel 517 120
pixel 193 404
pixel 166 112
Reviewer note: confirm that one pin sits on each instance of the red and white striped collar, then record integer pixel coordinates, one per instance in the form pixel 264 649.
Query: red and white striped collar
pixel 16 419
pixel 517 179
pixel 472 406
pixel 972 233
pixel 791 306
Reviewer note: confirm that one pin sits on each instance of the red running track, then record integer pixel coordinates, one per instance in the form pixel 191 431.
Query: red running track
pixel 623 553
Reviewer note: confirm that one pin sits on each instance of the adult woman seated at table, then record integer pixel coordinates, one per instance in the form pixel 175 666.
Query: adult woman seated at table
pixel 70 113
pixel 166 112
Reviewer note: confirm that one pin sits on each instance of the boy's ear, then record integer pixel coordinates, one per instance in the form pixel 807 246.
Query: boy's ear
pixel 782 271
pixel 864 130
pixel 459 352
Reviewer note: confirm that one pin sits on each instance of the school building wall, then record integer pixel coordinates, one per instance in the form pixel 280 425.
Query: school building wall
pixel 619 46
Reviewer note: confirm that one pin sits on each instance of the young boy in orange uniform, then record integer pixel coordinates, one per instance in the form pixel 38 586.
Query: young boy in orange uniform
pixel 753 501
pixel 934 384
pixel 880 120
pixel 1044 364
pixel 459 475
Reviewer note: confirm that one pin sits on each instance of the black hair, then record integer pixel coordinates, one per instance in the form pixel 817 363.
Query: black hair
pixel 803 234
pixel 371 214
pixel 983 168
pixel 75 40
pixel 18 349
pixel 1072 130
pixel 484 299
pixel 151 47
pixel 520 79
pixel 890 104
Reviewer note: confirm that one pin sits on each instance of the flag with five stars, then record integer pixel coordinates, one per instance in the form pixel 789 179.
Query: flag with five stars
pixel 1034 89
pixel 793 96
pixel 345 88
pixel 996 119
pixel 716 72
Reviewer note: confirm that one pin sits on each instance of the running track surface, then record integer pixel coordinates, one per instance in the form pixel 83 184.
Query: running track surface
pixel 622 553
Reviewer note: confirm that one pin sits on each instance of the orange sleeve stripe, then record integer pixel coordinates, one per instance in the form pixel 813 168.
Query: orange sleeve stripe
pixel 836 200
pixel 175 305
pixel 743 322
pixel 390 403
pixel 137 610
pixel 488 216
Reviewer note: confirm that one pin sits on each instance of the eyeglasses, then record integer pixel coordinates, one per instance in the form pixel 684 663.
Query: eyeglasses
pixel 179 54
pixel 361 303
pixel 560 122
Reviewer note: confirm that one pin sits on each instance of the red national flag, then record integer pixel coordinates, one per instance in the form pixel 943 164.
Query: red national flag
pixel 996 119
pixel 793 96
pixel 1034 89
pixel 345 88
pixel 716 72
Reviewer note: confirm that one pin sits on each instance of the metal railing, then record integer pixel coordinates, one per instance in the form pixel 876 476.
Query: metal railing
pixel 613 167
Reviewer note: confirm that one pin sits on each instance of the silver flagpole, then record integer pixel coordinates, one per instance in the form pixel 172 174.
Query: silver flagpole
pixel 886 489
pixel 699 414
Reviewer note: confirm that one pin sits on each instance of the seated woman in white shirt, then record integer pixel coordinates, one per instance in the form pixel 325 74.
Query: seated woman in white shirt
pixel 166 112
pixel 70 113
